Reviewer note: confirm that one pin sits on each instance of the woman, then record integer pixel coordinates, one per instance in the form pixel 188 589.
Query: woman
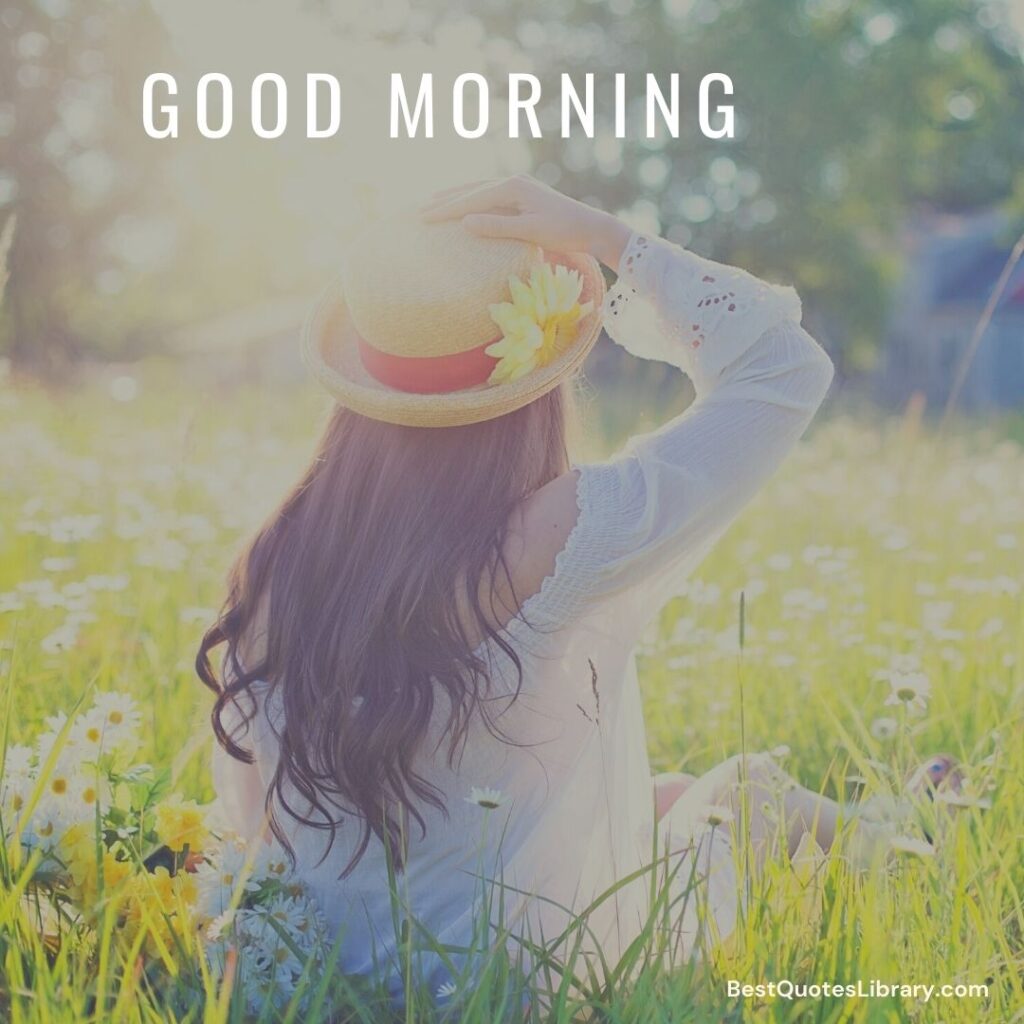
pixel 428 679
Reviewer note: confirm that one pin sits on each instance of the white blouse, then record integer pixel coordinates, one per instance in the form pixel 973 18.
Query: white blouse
pixel 577 812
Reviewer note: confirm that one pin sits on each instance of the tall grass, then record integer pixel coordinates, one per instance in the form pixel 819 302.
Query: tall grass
pixel 879 541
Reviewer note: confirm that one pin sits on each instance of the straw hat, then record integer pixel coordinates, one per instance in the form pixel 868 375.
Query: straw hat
pixel 401 336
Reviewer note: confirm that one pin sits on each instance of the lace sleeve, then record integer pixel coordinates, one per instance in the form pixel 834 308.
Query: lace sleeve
pixel 677 307
pixel 647 517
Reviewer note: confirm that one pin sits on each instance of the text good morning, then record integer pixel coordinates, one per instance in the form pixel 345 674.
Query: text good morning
pixel 412 106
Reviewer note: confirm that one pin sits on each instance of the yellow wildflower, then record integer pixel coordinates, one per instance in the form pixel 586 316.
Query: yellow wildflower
pixel 78 845
pixel 181 823
pixel 162 904
pixel 87 883
pixel 539 324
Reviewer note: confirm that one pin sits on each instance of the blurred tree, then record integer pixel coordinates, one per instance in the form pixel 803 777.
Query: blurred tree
pixel 849 113
pixel 72 167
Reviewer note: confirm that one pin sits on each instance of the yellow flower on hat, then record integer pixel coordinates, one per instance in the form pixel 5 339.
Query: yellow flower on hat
pixel 539 324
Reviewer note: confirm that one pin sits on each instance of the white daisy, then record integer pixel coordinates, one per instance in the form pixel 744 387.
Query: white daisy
pixel 87 792
pixel 58 564
pixel 50 599
pixel 715 815
pixel 447 990
pixel 271 862
pixel 219 927
pixel 287 969
pixel 18 761
pixel 52 737
pixel 87 734
pixel 884 728
pixel 911 689
pixel 15 794
pixel 10 602
pixel 120 717
pixel 106 582
pixel 270 965
pixel 59 783
pixel 488 799
pixel 267 951
pixel 219 878
pixel 289 913
pixel 46 826
pixel 61 639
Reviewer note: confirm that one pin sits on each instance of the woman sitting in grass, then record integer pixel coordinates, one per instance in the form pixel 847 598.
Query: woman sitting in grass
pixel 429 693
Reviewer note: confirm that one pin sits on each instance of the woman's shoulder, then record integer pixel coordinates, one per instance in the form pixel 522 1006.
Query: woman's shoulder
pixel 540 531
pixel 572 538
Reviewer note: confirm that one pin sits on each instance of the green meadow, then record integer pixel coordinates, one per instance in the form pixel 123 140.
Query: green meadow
pixel 885 551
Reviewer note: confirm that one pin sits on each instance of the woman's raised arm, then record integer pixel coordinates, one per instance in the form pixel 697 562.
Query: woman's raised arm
pixel 645 518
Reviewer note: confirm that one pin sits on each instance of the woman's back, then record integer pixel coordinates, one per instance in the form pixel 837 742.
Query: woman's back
pixel 561 804
pixel 420 699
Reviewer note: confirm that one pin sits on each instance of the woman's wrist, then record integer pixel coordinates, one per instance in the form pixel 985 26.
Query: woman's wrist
pixel 607 239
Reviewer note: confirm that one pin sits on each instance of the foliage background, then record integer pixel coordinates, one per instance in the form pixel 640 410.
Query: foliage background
pixel 142 437
pixel 851 115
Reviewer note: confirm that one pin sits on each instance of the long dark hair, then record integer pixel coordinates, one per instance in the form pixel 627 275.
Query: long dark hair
pixel 373 583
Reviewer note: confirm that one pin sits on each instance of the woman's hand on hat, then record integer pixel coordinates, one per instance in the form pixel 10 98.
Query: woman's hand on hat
pixel 524 208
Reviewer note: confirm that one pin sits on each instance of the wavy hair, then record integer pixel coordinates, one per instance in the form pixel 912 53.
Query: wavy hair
pixel 373 585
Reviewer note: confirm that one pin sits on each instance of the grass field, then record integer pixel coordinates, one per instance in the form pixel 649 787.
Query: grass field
pixel 881 553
